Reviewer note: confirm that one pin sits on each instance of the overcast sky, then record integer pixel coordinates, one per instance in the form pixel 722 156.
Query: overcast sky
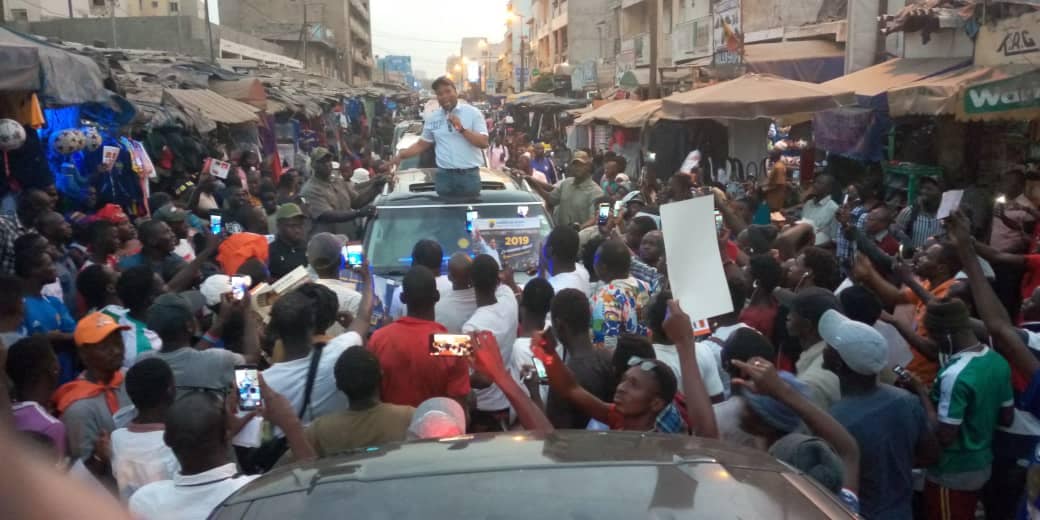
pixel 431 30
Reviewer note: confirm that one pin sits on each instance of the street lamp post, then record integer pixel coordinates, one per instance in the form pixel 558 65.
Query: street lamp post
pixel 523 50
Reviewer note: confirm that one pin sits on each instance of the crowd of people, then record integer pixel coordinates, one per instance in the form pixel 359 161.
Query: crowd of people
pixel 885 353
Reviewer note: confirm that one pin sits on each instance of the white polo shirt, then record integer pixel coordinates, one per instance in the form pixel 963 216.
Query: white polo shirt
pixel 191 497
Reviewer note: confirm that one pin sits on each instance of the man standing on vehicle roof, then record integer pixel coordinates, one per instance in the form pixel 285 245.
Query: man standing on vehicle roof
pixel 459 133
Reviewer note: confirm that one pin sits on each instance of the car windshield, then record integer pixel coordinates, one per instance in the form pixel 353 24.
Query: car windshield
pixel 514 230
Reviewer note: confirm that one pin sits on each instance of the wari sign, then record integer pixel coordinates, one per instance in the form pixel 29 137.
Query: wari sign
pixel 1006 95
pixel 1015 40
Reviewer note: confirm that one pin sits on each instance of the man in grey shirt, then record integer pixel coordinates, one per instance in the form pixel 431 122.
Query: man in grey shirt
pixel 86 405
pixel 172 317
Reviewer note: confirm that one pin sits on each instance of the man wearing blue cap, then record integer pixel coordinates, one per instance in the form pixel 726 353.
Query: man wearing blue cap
pixel 890 425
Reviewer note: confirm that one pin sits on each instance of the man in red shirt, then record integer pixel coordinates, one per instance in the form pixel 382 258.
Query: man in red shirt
pixel 410 374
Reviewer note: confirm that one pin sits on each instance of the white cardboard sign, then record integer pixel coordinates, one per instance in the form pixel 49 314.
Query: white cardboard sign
pixel 694 261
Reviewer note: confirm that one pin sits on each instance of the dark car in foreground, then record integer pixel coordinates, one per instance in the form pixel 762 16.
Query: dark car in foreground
pixel 528 476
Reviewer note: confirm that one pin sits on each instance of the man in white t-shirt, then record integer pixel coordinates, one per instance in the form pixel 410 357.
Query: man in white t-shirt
pixel 667 352
pixel 560 255
pixel 820 208
pixel 498 315
pixel 324 255
pixel 429 254
pixel 293 321
pixel 197 432
pixel 139 454
pixel 458 304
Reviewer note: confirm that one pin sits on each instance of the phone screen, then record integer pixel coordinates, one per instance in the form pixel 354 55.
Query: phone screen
pixel 471 217
pixel 604 213
pixel 539 368
pixel 457 345
pixel 239 286
pixel 216 225
pixel 354 255
pixel 617 208
pixel 248 385
pixel 718 223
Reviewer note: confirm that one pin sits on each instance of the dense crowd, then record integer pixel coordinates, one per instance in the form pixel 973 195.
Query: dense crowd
pixel 884 352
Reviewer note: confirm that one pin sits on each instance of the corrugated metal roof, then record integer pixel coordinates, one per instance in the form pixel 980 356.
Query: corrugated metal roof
pixel 214 106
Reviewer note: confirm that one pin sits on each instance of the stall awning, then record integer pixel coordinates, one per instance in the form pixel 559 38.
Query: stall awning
pixel 63 77
pixel 605 111
pixel 753 96
pixel 638 115
pixel 881 78
pixel 814 61
pixel 939 95
pixel 213 106
pixel 247 90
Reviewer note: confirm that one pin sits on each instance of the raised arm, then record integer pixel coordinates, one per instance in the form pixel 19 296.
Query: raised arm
pixel 363 320
pixel 562 381
pixel 993 313
pixel 698 402
pixel 761 377
pixel 864 273
pixel 487 359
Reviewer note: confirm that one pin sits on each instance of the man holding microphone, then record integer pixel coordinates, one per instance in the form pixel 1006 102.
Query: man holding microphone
pixel 459 133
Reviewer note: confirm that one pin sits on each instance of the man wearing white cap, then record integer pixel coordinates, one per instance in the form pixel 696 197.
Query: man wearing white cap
pixel 890 425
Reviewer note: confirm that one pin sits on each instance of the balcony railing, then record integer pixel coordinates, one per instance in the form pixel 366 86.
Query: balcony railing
pixel 360 6
pixel 640 45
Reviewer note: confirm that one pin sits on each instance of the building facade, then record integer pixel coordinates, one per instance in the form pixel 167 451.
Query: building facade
pixel 337 35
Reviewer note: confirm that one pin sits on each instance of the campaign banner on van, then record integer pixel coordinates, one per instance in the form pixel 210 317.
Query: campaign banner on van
pixel 517 240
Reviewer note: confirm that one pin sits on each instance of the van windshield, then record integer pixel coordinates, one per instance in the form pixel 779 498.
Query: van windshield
pixel 515 230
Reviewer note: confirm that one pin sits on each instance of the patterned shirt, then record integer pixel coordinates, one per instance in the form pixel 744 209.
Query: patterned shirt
pixel 618 308
pixel 10 229
pixel 641 270
pixel 924 227
pixel 846 246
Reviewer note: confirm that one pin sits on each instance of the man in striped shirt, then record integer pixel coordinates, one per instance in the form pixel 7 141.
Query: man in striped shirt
pixel 917 222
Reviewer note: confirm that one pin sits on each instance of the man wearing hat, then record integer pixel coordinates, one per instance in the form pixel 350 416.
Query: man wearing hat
pixel 172 316
pixel 973 397
pixel 889 424
pixel 87 404
pixel 289 249
pixel 325 255
pixel 804 312
pixel 328 201
pixel 458 132
pixel 177 219
pixel 574 199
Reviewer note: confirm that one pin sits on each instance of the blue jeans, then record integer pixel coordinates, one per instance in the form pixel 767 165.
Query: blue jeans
pixel 457 183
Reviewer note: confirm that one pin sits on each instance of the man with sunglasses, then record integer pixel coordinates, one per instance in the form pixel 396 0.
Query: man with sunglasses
pixel 645 389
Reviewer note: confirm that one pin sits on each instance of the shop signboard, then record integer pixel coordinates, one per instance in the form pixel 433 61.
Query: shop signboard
pixel 626 61
pixel 1001 96
pixel 726 25
pixel 1014 40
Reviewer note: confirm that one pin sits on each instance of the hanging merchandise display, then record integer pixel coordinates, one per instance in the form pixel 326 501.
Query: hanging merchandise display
pixel 68 141
pixel 12 135
pixel 93 138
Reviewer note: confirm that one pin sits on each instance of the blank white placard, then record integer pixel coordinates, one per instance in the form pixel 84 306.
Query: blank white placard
pixel 694 262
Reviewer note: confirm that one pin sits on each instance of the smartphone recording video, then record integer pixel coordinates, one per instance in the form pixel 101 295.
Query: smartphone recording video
pixel 617 208
pixel 539 368
pixel 248 384
pixel 240 286
pixel 718 223
pixel 216 224
pixel 353 254
pixel 455 345
pixel 471 217
pixel 604 213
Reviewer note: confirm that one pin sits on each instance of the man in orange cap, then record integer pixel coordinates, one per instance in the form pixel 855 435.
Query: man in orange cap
pixel 87 404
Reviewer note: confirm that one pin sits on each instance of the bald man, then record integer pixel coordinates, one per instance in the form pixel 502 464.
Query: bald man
pixel 458 304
